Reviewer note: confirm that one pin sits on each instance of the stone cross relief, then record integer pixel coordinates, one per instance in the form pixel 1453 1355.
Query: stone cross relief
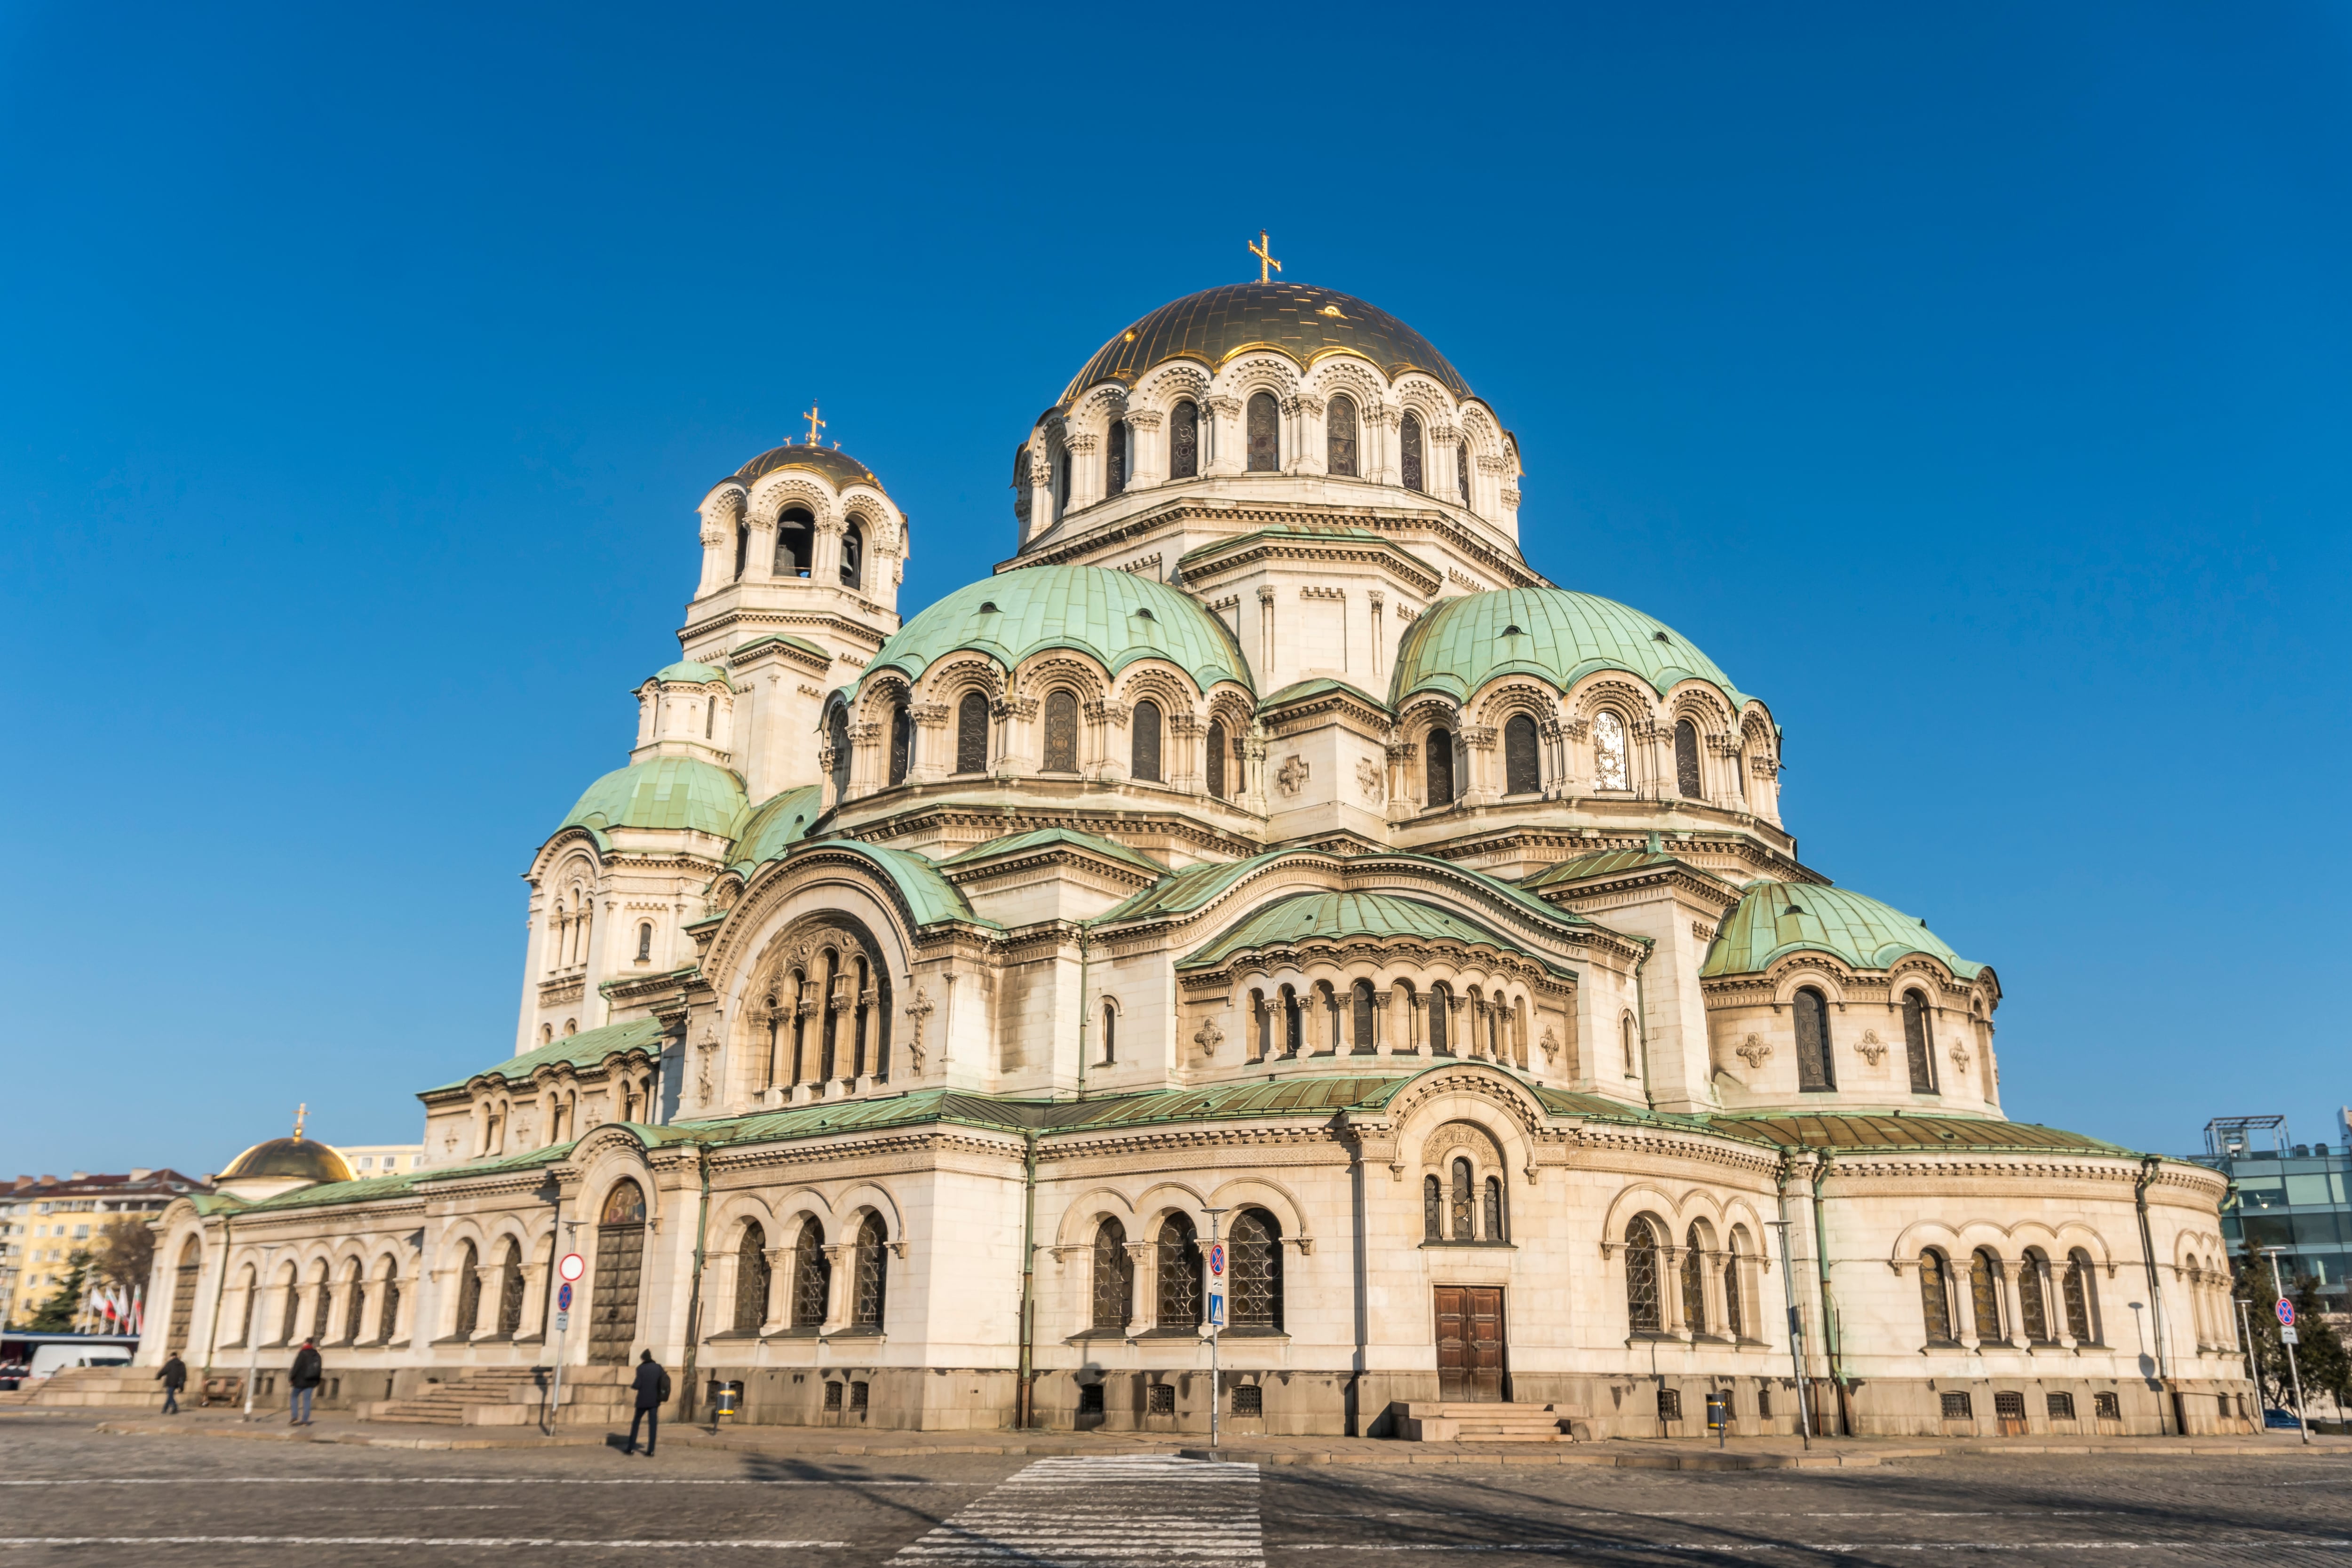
pixel 1872 1048
pixel 1755 1051
pixel 1292 775
pixel 1209 1037
pixel 1959 1056
pixel 702 1066
pixel 1550 1044
pixel 1368 773
pixel 917 1011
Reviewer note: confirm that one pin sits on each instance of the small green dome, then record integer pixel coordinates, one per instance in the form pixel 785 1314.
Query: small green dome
pixel 1116 616
pixel 1550 633
pixel 664 792
pixel 1774 919
pixel 777 824
pixel 1332 916
pixel 688 672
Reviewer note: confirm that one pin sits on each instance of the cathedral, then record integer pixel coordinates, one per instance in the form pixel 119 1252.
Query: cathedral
pixel 1269 862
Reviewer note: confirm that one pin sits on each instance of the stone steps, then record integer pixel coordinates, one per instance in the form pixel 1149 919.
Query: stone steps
pixel 1466 1421
pixel 498 1388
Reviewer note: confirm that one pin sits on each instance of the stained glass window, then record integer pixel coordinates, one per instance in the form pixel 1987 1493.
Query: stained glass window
pixel 1918 1045
pixel 1409 452
pixel 836 735
pixel 752 1278
pixel 812 1277
pixel 1362 1016
pixel 2082 1298
pixel 1935 1299
pixel 1440 768
pixel 971 733
pixel 1493 1218
pixel 902 744
pixel 1184 441
pixel 1522 767
pixel 1694 1283
pixel 1686 777
pixel 1815 1071
pixel 1735 1313
pixel 1440 1020
pixel 1180 1274
pixel 1463 1220
pixel 1339 428
pixel 1432 1209
pixel 469 1294
pixel 1114 460
pixel 1265 428
pixel 1609 752
pixel 1143 729
pixel 1462 458
pixel 1255 1265
pixel 511 1290
pixel 2033 1302
pixel 1984 1295
pixel 865 1310
pixel 1114 1276
pixel 1216 759
pixel 1061 733
pixel 1642 1276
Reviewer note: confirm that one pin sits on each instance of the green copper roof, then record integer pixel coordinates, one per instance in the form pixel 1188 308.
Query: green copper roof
pixel 583 1049
pixel 1562 636
pixel 1042 837
pixel 929 896
pixel 1305 915
pixel 777 824
pixel 786 639
pixel 1893 1132
pixel 1300 690
pixel 663 792
pixel 1180 892
pixel 689 671
pixel 1116 616
pixel 1607 862
pixel 1773 919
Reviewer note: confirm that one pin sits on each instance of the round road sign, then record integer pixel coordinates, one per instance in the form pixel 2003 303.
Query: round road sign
pixel 2286 1313
pixel 573 1266
pixel 1217 1258
pixel 563 1297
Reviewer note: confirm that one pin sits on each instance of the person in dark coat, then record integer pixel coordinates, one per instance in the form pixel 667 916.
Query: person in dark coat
pixel 173 1376
pixel 310 1371
pixel 653 1391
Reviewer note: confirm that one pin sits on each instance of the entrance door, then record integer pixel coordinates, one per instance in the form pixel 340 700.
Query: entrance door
pixel 620 1262
pixel 1470 1342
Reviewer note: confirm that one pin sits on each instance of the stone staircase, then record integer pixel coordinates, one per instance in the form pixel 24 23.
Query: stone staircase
pixel 487 1396
pixel 1464 1421
pixel 99 1387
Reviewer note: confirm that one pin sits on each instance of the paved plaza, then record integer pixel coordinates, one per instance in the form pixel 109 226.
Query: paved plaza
pixel 77 1495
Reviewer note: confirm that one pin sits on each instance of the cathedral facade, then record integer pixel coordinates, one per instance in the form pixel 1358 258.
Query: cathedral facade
pixel 1268 854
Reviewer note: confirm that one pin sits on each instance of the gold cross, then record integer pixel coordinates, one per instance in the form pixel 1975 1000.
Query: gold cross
pixel 1264 252
pixel 816 424
pixel 300 1112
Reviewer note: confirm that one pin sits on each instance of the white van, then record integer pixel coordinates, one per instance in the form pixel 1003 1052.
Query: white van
pixel 49 1359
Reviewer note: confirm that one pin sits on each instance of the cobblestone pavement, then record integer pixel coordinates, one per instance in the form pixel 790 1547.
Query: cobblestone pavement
pixel 71 1495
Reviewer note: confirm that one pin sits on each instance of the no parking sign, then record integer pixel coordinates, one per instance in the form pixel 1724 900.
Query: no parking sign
pixel 1216 1285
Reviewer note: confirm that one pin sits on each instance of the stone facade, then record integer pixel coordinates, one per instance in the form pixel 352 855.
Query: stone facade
pixel 1269 846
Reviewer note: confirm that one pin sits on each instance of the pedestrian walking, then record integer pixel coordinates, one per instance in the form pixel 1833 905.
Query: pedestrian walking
pixel 653 1393
pixel 173 1376
pixel 310 1371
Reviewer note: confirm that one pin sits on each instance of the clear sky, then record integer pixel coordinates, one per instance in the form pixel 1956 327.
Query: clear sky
pixel 1970 382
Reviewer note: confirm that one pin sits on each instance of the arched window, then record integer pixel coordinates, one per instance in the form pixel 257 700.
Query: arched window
pixel 1143 747
pixel 2081 1293
pixel 183 1294
pixel 1440 1019
pixel 1687 779
pixel 836 735
pixel 1609 752
pixel 866 1307
pixel 1360 1016
pixel 1918 1044
pixel 750 1278
pixel 1432 1209
pixel 1262 1013
pixel 1114 1276
pixel 1440 768
pixel 709 718
pixel 1061 480
pixel 1492 1217
pixel 1735 1302
pixel 742 547
pixel 1642 1276
pixel 812 1277
pixel 1264 431
pixel 971 733
pixel 1215 758
pixel 1180 1274
pixel 1462 458
pixel 1294 1023
pixel 829 1016
pixel 1984 1295
pixel 1256 1261
pixel 1522 766
pixel 1339 436
pixel 1629 1036
pixel 1114 459
pixel 1815 1071
pixel 1061 732
pixel 1409 452
pixel 902 744
pixel 853 555
pixel 1185 440
pixel 353 1303
pixel 322 1303
pixel 796 542
pixel 1110 1033
pixel 469 1293
pixel 510 1289
pixel 388 1315
pixel 1463 1218
pixel 1936 1298
pixel 1694 1281
pixel 2033 1297
pixel 645 941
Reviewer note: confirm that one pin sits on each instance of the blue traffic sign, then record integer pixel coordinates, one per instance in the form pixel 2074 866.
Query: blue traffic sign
pixel 1217 1258
pixel 563 1297
pixel 1216 1309
pixel 2286 1313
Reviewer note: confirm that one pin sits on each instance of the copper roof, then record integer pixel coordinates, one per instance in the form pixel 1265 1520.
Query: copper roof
pixel 1299 320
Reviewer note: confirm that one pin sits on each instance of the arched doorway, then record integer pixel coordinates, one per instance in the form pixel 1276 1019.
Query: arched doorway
pixel 183 1294
pixel 620 1267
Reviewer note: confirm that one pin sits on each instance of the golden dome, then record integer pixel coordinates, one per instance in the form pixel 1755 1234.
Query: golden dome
pixel 303 1158
pixel 834 463
pixel 1299 320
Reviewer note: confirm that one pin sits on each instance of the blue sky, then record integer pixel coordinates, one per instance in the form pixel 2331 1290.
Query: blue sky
pixel 1971 383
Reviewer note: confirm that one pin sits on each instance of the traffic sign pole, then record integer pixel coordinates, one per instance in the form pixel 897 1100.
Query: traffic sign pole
pixel 2287 1335
pixel 568 1271
pixel 1217 1316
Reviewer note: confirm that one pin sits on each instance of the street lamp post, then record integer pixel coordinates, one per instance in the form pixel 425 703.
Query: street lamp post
pixel 252 1329
pixel 1796 1333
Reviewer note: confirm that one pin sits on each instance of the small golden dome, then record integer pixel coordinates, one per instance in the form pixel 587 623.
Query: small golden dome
pixel 302 1159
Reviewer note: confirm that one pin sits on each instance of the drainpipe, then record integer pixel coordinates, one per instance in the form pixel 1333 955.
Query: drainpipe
pixel 1025 1393
pixel 694 1297
pixel 2149 1166
pixel 1356 1422
pixel 1788 1294
pixel 1642 1024
pixel 220 1289
pixel 1082 1009
pixel 1829 1304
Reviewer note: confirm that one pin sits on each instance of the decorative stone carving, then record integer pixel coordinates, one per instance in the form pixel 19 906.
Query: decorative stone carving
pixel 917 1011
pixel 1872 1048
pixel 1209 1037
pixel 1368 773
pixel 1292 775
pixel 1550 1044
pixel 1959 1056
pixel 1755 1051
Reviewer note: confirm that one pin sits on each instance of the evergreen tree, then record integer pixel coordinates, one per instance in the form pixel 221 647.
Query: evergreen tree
pixel 2320 1355
pixel 56 1316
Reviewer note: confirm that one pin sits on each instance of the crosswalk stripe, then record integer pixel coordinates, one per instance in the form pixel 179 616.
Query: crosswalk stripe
pixel 1111 1509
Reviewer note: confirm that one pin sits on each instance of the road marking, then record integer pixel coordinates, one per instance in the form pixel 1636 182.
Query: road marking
pixel 507 1541
pixel 1110 1508
pixel 455 1482
pixel 1565 1548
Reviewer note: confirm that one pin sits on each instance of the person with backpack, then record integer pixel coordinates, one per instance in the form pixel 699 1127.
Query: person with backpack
pixel 173 1376
pixel 652 1385
pixel 302 1383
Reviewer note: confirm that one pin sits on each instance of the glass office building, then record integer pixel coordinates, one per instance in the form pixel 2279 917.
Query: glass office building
pixel 2290 1197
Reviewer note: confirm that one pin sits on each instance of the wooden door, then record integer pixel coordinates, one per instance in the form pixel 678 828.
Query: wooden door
pixel 612 1320
pixel 1470 1342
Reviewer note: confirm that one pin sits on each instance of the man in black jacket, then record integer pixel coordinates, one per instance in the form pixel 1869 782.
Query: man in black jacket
pixel 653 1391
pixel 310 1371
pixel 173 1376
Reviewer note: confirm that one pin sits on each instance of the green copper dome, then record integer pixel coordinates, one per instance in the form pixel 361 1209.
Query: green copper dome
pixel 688 672
pixel 1774 919
pixel 666 792
pixel 1332 916
pixel 1550 633
pixel 1116 616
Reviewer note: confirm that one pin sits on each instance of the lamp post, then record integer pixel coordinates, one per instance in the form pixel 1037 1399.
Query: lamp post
pixel 252 1329
pixel 1796 1333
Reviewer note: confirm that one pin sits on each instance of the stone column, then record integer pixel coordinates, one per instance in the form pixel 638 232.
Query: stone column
pixel 840 1293
pixel 1147 448
pixel 1310 448
pixel 1225 450
pixel 1143 1308
pixel 780 1289
pixel 2012 1306
pixel 486 1302
pixel 1086 452
pixel 535 1302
